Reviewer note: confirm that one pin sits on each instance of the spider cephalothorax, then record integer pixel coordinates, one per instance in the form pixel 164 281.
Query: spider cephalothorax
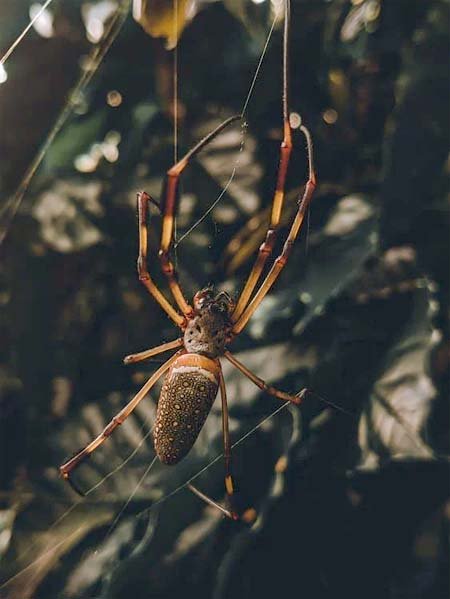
pixel 193 375
pixel 209 329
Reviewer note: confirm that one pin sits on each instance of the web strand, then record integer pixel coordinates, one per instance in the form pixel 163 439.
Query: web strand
pixel 130 498
pixel 258 68
pixel 213 205
pixel 17 41
pixel 11 207
pixel 242 114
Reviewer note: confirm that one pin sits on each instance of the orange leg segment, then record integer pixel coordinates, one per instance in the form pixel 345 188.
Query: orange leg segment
pixel 229 486
pixel 277 203
pixel 282 259
pixel 118 419
pixel 169 210
pixel 143 199
pixel 154 351
pixel 267 246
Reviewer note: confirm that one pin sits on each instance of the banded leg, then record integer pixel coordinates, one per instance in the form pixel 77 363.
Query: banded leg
pixel 227 447
pixel 143 199
pixel 229 487
pixel 154 351
pixel 168 210
pixel 296 399
pixel 282 259
pixel 277 203
pixel 118 419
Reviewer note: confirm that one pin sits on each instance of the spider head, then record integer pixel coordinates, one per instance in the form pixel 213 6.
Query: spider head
pixel 208 330
pixel 220 303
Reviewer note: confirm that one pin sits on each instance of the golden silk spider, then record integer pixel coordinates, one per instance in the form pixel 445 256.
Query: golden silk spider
pixel 193 375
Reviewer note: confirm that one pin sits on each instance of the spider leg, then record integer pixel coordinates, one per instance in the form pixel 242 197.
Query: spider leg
pixel 142 200
pixel 169 209
pixel 267 246
pixel 229 486
pixel 211 502
pixel 278 199
pixel 154 351
pixel 295 399
pixel 66 468
pixel 282 259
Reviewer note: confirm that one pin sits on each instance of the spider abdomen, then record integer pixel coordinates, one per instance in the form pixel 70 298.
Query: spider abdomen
pixel 187 395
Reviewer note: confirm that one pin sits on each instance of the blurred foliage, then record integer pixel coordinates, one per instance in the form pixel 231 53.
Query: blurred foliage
pixel 350 490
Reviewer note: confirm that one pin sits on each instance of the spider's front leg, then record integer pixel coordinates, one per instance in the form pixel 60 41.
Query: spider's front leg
pixel 143 200
pixel 168 219
pixel 268 244
pixel 282 259
pixel 246 307
pixel 278 199
pixel 167 239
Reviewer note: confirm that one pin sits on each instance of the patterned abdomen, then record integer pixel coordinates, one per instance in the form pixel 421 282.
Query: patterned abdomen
pixel 187 395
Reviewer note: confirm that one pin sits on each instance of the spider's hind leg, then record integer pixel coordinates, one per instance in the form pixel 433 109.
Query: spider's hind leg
pixel 66 468
pixel 231 512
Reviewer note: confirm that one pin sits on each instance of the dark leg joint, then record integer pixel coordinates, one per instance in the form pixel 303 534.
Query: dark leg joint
pixel 267 246
pixel 287 249
pixel 143 196
pixel 69 465
pixel 111 426
pixel 166 264
pixel 309 190
pixel 282 260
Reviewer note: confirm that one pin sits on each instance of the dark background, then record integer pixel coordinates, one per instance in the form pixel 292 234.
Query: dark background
pixel 351 500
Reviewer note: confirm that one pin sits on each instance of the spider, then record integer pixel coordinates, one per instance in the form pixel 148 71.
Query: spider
pixel 193 374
